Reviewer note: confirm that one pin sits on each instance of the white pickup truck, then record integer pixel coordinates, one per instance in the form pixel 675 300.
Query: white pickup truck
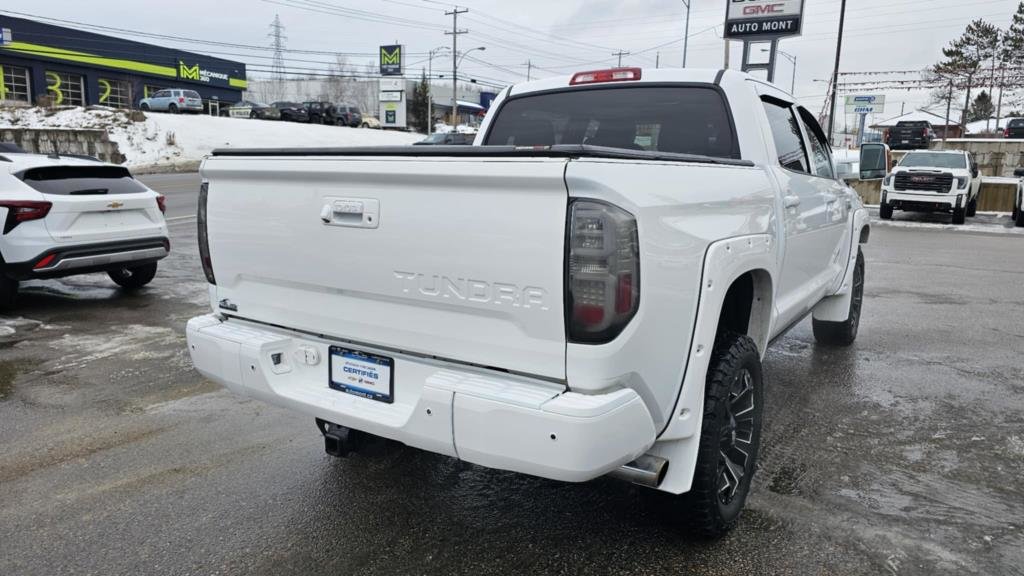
pixel 930 181
pixel 587 290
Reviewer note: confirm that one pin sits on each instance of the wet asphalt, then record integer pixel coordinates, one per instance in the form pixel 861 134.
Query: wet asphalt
pixel 899 455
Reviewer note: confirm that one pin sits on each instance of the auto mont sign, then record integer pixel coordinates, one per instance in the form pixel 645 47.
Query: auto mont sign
pixel 763 19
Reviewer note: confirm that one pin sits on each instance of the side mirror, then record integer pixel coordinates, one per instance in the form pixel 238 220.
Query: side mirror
pixel 1019 172
pixel 875 161
pixel 974 170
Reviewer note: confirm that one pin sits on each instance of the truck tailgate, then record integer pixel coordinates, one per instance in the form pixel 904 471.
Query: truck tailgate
pixel 461 259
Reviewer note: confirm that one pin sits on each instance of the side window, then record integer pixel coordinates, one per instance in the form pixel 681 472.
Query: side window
pixel 786 133
pixel 821 154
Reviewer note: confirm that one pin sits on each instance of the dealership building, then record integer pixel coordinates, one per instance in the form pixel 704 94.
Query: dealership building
pixel 75 68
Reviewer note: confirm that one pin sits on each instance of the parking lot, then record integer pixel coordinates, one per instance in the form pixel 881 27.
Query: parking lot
pixel 901 454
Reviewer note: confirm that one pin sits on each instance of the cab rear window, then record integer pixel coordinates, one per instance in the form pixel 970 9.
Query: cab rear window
pixel 81 180
pixel 679 119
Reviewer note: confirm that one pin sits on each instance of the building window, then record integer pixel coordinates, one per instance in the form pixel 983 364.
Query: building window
pixel 148 90
pixel 66 89
pixel 115 93
pixel 14 84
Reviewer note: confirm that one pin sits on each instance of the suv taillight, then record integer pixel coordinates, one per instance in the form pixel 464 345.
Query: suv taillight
pixel 204 238
pixel 603 289
pixel 1006 132
pixel 19 211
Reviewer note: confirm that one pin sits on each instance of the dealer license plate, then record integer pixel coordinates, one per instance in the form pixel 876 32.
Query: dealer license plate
pixel 363 374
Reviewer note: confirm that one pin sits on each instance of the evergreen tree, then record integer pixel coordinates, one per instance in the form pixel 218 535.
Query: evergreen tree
pixel 982 108
pixel 967 59
pixel 418 105
pixel 1013 54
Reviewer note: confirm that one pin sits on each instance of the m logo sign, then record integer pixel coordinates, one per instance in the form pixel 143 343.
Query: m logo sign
pixel 391 60
pixel 188 72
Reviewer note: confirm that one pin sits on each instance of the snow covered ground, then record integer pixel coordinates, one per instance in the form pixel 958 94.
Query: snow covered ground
pixel 984 222
pixel 168 142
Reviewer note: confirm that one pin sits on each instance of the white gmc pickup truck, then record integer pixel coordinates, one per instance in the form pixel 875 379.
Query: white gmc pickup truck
pixel 587 290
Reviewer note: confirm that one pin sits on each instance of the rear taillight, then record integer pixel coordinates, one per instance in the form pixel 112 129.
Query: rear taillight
pixel 611 75
pixel 603 289
pixel 1006 133
pixel 19 211
pixel 161 203
pixel 204 239
pixel 181 100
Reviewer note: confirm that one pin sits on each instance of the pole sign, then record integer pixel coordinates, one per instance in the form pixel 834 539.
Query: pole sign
pixel 865 104
pixel 763 19
pixel 391 60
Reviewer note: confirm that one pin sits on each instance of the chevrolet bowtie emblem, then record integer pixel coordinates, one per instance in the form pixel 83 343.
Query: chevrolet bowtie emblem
pixel 115 205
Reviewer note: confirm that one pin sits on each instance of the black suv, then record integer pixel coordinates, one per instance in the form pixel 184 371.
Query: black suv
pixel 292 111
pixel 349 115
pixel 321 112
pixel 910 135
pixel 1014 129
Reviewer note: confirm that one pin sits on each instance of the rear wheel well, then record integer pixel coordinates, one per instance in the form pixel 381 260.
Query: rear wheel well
pixel 746 308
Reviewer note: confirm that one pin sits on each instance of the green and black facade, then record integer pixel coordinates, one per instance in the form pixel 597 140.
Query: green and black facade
pixel 78 68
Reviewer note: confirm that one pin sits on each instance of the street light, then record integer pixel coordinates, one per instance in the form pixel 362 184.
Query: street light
pixel 430 89
pixel 455 83
pixel 791 58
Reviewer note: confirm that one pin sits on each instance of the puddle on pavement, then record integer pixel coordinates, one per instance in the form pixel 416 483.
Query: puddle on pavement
pixel 9 372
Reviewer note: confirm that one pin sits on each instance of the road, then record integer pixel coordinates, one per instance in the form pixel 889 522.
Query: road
pixel 182 191
pixel 900 455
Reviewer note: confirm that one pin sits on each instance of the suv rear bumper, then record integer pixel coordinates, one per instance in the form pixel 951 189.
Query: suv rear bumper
pixel 482 416
pixel 88 258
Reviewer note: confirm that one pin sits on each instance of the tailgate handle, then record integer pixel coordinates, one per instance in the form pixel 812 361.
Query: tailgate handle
pixel 350 212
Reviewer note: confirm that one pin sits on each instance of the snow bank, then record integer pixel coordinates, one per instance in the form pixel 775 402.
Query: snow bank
pixel 168 142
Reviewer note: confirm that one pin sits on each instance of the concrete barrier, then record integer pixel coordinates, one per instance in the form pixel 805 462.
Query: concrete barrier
pixel 995 156
pixel 994 196
pixel 64 141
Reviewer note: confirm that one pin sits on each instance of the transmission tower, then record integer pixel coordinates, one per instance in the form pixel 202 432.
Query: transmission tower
pixel 277 35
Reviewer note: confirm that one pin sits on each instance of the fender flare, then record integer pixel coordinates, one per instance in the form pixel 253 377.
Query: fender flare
pixel 836 308
pixel 724 262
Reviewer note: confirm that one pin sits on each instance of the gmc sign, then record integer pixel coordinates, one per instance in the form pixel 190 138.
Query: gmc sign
pixel 763 19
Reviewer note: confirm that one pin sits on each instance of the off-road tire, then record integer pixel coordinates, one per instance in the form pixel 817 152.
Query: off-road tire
pixel 172 108
pixel 844 333
pixel 731 424
pixel 144 107
pixel 134 277
pixel 972 207
pixel 959 216
pixel 8 293
pixel 885 211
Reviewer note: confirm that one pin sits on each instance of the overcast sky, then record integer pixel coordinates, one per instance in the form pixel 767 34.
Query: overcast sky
pixel 558 37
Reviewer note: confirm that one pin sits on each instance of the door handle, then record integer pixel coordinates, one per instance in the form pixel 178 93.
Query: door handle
pixel 791 201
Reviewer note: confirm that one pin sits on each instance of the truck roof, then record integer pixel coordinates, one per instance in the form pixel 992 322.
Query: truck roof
pixel 647 76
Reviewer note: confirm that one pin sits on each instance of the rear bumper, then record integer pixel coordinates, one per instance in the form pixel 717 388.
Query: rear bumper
pixel 924 201
pixel 88 258
pixel 482 416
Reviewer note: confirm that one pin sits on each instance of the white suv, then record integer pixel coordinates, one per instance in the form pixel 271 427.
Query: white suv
pixel 64 215
pixel 932 181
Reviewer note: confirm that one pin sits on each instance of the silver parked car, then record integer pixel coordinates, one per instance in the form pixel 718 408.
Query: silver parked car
pixel 173 101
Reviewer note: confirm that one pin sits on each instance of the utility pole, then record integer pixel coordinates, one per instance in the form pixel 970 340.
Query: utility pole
pixel 430 88
pixel 949 105
pixel 835 71
pixel 725 60
pixel 657 59
pixel 455 59
pixel 529 69
pixel 686 32
pixel 620 54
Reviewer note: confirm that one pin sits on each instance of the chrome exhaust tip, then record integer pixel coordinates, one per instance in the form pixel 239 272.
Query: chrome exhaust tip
pixel 646 471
